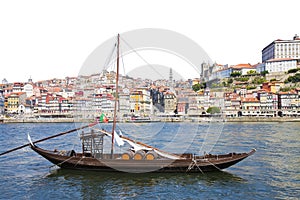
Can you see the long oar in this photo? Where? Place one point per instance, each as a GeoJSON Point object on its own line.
{"type": "Point", "coordinates": [47, 138]}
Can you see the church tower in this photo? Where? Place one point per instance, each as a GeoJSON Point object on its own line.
{"type": "Point", "coordinates": [171, 78]}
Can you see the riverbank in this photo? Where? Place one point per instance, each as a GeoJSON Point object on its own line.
{"type": "Point", "coordinates": [193, 120]}
{"type": "Point", "coordinates": [40, 120]}
{"type": "Point", "coordinates": [264, 119]}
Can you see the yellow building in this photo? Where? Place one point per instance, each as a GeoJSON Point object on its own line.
{"type": "Point", "coordinates": [13, 101]}
{"type": "Point", "coordinates": [136, 99]}
{"type": "Point", "coordinates": [140, 101]}
{"type": "Point", "coordinates": [275, 86]}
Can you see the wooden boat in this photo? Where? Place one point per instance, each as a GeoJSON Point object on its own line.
{"type": "Point", "coordinates": [140, 158]}
{"type": "Point", "coordinates": [137, 162]}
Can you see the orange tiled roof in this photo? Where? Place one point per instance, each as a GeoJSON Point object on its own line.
{"type": "Point", "coordinates": [249, 99]}
{"type": "Point", "coordinates": [242, 66]}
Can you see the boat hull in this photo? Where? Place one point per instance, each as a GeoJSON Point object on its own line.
{"type": "Point", "coordinates": [196, 164]}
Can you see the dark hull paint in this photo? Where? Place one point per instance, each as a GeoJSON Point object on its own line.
{"type": "Point", "coordinates": [199, 164]}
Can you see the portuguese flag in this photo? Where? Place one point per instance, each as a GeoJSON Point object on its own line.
{"type": "Point", "coordinates": [103, 118]}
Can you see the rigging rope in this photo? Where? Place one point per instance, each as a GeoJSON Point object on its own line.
{"type": "Point", "coordinates": [110, 57]}
{"type": "Point", "coordinates": [143, 59]}
{"type": "Point", "coordinates": [61, 162]}
{"type": "Point", "coordinates": [121, 55]}
{"type": "Point", "coordinates": [79, 161]}
{"type": "Point", "coordinates": [191, 166]}
{"type": "Point", "coordinates": [214, 165]}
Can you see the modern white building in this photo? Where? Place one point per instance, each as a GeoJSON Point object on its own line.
{"type": "Point", "coordinates": [282, 49]}
{"type": "Point", "coordinates": [280, 64]}
{"type": "Point", "coordinates": [243, 68]}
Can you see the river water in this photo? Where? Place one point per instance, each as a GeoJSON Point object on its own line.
{"type": "Point", "coordinates": [273, 172]}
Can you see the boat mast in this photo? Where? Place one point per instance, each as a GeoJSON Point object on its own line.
{"type": "Point", "coordinates": [116, 99]}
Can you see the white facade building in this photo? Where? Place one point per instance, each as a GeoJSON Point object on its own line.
{"type": "Point", "coordinates": [282, 49]}
{"type": "Point", "coordinates": [280, 65]}
{"type": "Point", "coordinates": [243, 68]}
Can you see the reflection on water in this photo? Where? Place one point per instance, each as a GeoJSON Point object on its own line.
{"type": "Point", "coordinates": [149, 185]}
{"type": "Point", "coordinates": [147, 179]}
{"type": "Point", "coordinates": [272, 172]}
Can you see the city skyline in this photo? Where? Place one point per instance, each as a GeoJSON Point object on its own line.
{"type": "Point", "coordinates": [52, 40]}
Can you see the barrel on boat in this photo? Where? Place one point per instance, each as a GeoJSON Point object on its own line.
{"type": "Point", "coordinates": [127, 155]}
{"type": "Point", "coordinates": [139, 155]}
{"type": "Point", "coordinates": [151, 156]}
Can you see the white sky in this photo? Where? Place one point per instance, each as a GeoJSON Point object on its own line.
{"type": "Point", "coordinates": [52, 39]}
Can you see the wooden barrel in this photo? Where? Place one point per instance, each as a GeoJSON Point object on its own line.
{"type": "Point", "coordinates": [127, 155]}
{"type": "Point", "coordinates": [139, 155]}
{"type": "Point", "coordinates": [150, 156]}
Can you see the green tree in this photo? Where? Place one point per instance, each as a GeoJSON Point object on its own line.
{"type": "Point", "coordinates": [235, 74]}
{"type": "Point", "coordinates": [293, 70]}
{"type": "Point", "coordinates": [259, 80]}
{"type": "Point", "coordinates": [214, 85]}
{"type": "Point", "coordinates": [196, 87]}
{"type": "Point", "coordinates": [294, 79]}
{"type": "Point", "coordinates": [250, 87]}
{"type": "Point", "coordinates": [213, 110]}
{"type": "Point", "coordinates": [230, 81]}
{"type": "Point", "coordinates": [285, 89]}
{"type": "Point", "coordinates": [251, 72]}
{"type": "Point", "coordinates": [199, 86]}
{"type": "Point", "coordinates": [263, 73]}
{"type": "Point", "coordinates": [243, 79]}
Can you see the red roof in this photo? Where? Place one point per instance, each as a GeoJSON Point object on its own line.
{"type": "Point", "coordinates": [250, 99]}
{"type": "Point", "coordinates": [242, 66]}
